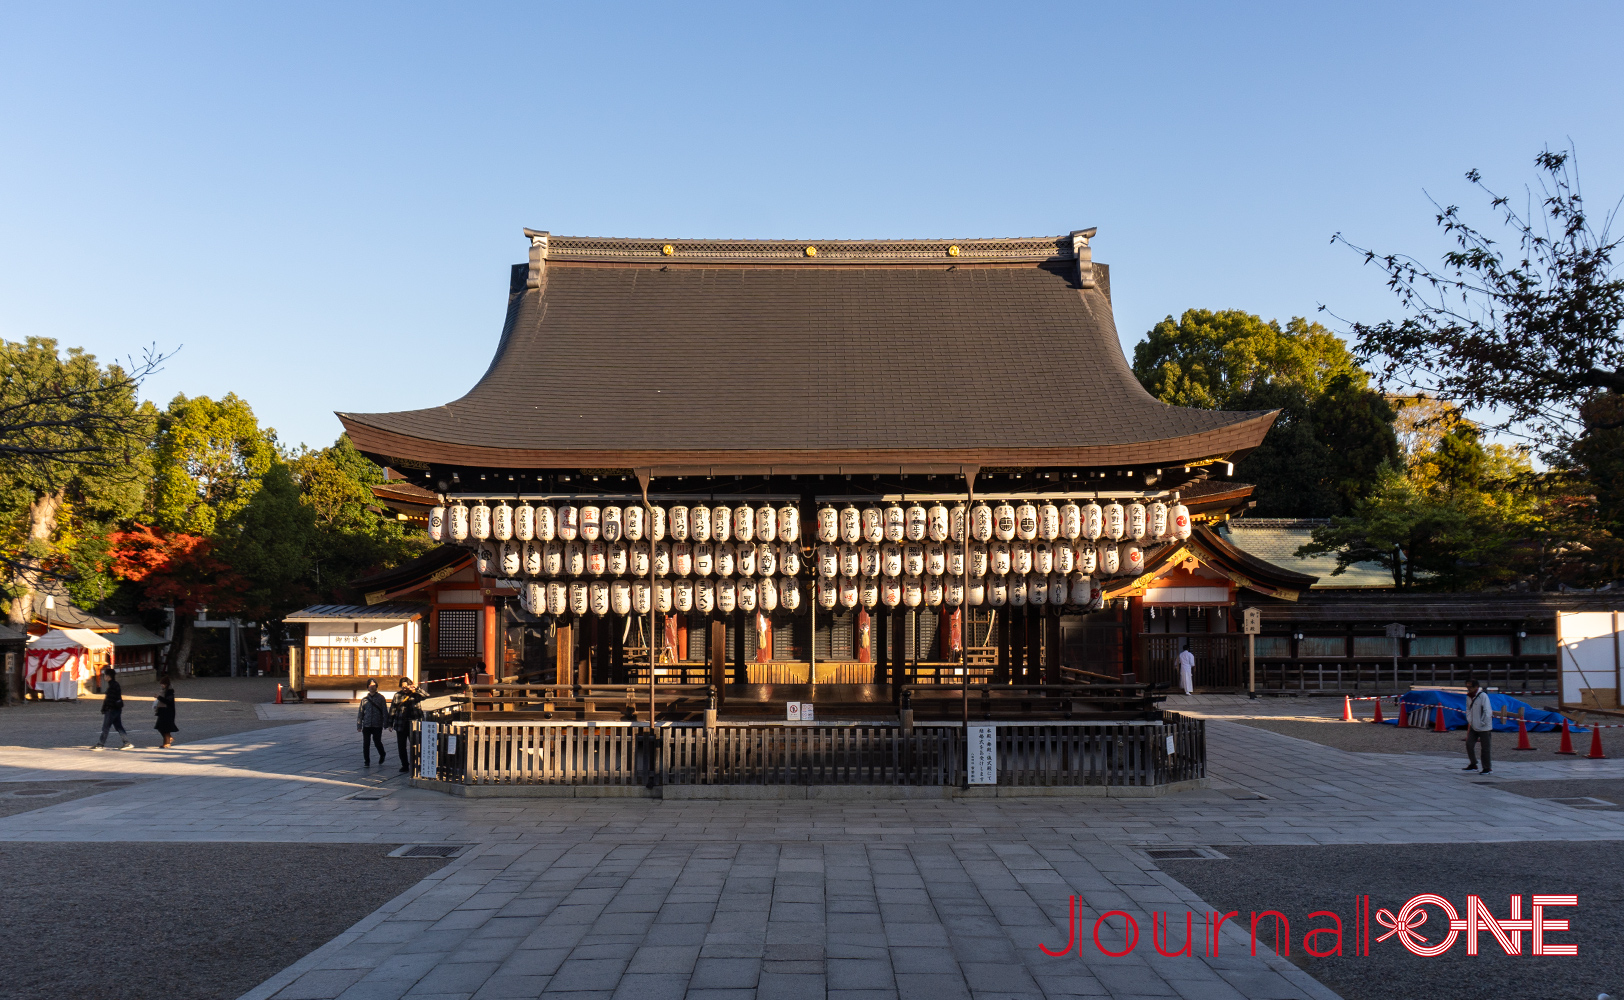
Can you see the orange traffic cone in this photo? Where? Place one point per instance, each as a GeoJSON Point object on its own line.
{"type": "Point", "coordinates": [1378, 717]}
{"type": "Point", "coordinates": [1595, 744]}
{"type": "Point", "coordinates": [1522, 735]}
{"type": "Point", "coordinates": [1438, 721]}
{"type": "Point", "coordinates": [1567, 740]}
{"type": "Point", "coordinates": [279, 694]}
{"type": "Point", "coordinates": [1347, 709]}
{"type": "Point", "coordinates": [1403, 714]}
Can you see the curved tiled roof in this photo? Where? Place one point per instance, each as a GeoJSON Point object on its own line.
{"type": "Point", "coordinates": [615, 356]}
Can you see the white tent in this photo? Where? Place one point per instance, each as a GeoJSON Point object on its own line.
{"type": "Point", "coordinates": [59, 661]}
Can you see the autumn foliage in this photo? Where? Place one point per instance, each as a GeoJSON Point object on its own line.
{"type": "Point", "coordinates": [174, 568]}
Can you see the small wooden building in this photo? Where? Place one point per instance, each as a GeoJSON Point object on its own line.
{"type": "Point", "coordinates": [346, 646]}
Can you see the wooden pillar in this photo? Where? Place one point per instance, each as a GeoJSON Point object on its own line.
{"type": "Point", "coordinates": [564, 655]}
{"type": "Point", "coordinates": [882, 649]}
{"type": "Point", "coordinates": [491, 651]}
{"type": "Point", "coordinates": [741, 674]}
{"type": "Point", "coordinates": [617, 649]}
{"type": "Point", "coordinates": [1051, 649]}
{"type": "Point", "coordinates": [717, 650]}
{"type": "Point", "coordinates": [1000, 674]}
{"type": "Point", "coordinates": [681, 652]}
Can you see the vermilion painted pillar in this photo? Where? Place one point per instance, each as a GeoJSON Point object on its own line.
{"type": "Point", "coordinates": [490, 650]}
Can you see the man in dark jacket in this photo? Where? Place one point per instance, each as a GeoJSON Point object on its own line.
{"type": "Point", "coordinates": [402, 713]}
{"type": "Point", "coordinates": [112, 711]}
{"type": "Point", "coordinates": [370, 721]}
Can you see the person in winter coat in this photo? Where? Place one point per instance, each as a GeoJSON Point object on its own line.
{"type": "Point", "coordinates": [164, 707]}
{"type": "Point", "coordinates": [402, 713]}
{"type": "Point", "coordinates": [370, 721]}
{"type": "Point", "coordinates": [113, 712]}
{"type": "Point", "coordinates": [1479, 726]}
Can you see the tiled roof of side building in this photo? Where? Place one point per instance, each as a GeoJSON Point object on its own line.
{"type": "Point", "coordinates": [853, 356]}
{"type": "Point", "coordinates": [1276, 540]}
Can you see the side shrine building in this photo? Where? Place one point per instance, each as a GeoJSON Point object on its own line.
{"type": "Point", "coordinates": [834, 466]}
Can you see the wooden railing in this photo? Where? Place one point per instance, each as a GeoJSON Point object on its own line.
{"type": "Point", "coordinates": [1364, 675]}
{"type": "Point", "coordinates": [540, 753]}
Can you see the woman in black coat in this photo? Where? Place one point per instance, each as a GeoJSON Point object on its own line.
{"type": "Point", "coordinates": [165, 708]}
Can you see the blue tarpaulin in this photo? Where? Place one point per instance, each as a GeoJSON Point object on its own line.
{"type": "Point", "coordinates": [1506, 709]}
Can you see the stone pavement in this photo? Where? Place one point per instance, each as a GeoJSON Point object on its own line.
{"type": "Point", "coordinates": [865, 899]}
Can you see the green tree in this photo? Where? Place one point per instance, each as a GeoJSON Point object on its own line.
{"type": "Point", "coordinates": [1332, 433]}
{"type": "Point", "coordinates": [271, 543]}
{"type": "Point", "coordinates": [209, 460]}
{"type": "Point", "coordinates": [354, 535]}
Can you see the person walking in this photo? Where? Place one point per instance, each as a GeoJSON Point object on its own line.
{"type": "Point", "coordinates": [1479, 726]}
{"type": "Point", "coordinates": [112, 711]}
{"type": "Point", "coordinates": [163, 707]}
{"type": "Point", "coordinates": [1187, 670]}
{"type": "Point", "coordinates": [403, 712]}
{"type": "Point", "coordinates": [370, 721]}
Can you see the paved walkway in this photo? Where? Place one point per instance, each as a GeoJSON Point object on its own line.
{"type": "Point", "coordinates": [866, 900]}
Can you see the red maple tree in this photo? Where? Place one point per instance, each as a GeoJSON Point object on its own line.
{"type": "Point", "coordinates": [174, 569]}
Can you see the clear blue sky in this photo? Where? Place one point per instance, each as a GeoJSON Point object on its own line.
{"type": "Point", "coordinates": [321, 201]}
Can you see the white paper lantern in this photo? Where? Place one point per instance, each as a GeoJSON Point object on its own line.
{"type": "Point", "coordinates": [1158, 520]}
{"type": "Point", "coordinates": [1093, 521]}
{"type": "Point", "coordinates": [552, 558]}
{"type": "Point", "coordinates": [502, 522]}
{"type": "Point", "coordinates": [699, 526]}
{"type": "Point", "coordinates": [569, 525]}
{"type": "Point", "coordinates": [532, 557]}
{"type": "Point", "coordinates": [727, 595]}
{"type": "Point", "coordinates": [1048, 522]}
{"type": "Point", "coordinates": [437, 523]}
{"type": "Point", "coordinates": [828, 524]}
{"type": "Point", "coordinates": [828, 593]}
{"type": "Point", "coordinates": [682, 594]}
{"type": "Point", "coordinates": [896, 523]}
{"type": "Point", "coordinates": [1088, 558]}
{"type": "Point", "coordinates": [958, 522]}
{"type": "Point", "coordinates": [744, 523]}
{"type": "Point", "coordinates": [998, 558]}
{"type": "Point", "coordinates": [828, 560]}
{"type": "Point", "coordinates": [789, 593]}
{"type": "Point", "coordinates": [479, 521]}
{"type": "Point", "coordinates": [1116, 523]}
{"type": "Point", "coordinates": [1017, 590]}
{"type": "Point", "coordinates": [1026, 522]}
{"type": "Point", "coordinates": [599, 591]}
{"type": "Point", "coordinates": [664, 596]}
{"type": "Point", "coordinates": [1071, 520]}
{"type": "Point", "coordinates": [724, 559]}
{"type": "Point", "coordinates": [682, 558]}
{"type": "Point", "coordinates": [704, 594]}
{"type": "Point", "coordinates": [766, 524]}
{"type": "Point", "coordinates": [632, 523]}
{"type": "Point", "coordinates": [744, 558]}
{"type": "Point", "coordinates": [620, 597]}
{"type": "Point", "coordinates": [850, 562]}
{"type": "Point", "coordinates": [637, 559]}
{"type": "Point", "coordinates": [955, 558]}
{"type": "Point", "coordinates": [1133, 559]}
{"type": "Point", "coordinates": [575, 557]}
{"type": "Point", "coordinates": [1003, 522]}
{"type": "Point", "coordinates": [619, 553]}
{"type": "Point", "coordinates": [936, 522]}
{"type": "Point", "coordinates": [891, 559]}
{"type": "Point", "coordinates": [890, 591]}
{"type": "Point", "coordinates": [933, 590]}
{"type": "Point", "coordinates": [546, 523]}
{"type": "Point", "coordinates": [558, 597]}
{"type": "Point", "coordinates": [1137, 521]}
{"type": "Point", "coordinates": [642, 597]}
{"type": "Point", "coordinates": [1057, 588]}
{"type": "Point", "coordinates": [1081, 589]}
{"type": "Point", "coordinates": [662, 558]}
{"type": "Point", "coordinates": [952, 591]}
{"type": "Point", "coordinates": [591, 523]}
{"type": "Point", "coordinates": [997, 591]}
{"type": "Point", "coordinates": [789, 523]}
{"type": "Point", "coordinates": [704, 558]}
{"type": "Point", "coordinates": [721, 523]}
{"type": "Point", "coordinates": [868, 591]}
{"type": "Point", "coordinates": [1179, 521]}
{"type": "Point", "coordinates": [1037, 589]}
{"type": "Point", "coordinates": [979, 560]}
{"type": "Point", "coordinates": [1042, 557]}
{"type": "Point", "coordinates": [512, 555]}
{"type": "Point", "coordinates": [766, 557]}
{"type": "Point", "coordinates": [873, 525]}
{"type": "Point", "coordinates": [935, 558]}
{"type": "Point", "coordinates": [789, 559]}
{"type": "Point", "coordinates": [1020, 557]}
{"type": "Point", "coordinates": [917, 523]}
{"type": "Point", "coordinates": [868, 559]}
{"type": "Point", "coordinates": [848, 591]}
{"type": "Point", "coordinates": [767, 595]}
{"type": "Point", "coordinates": [746, 598]}
{"type": "Point", "coordinates": [977, 592]}
{"type": "Point", "coordinates": [913, 559]}
{"type": "Point", "coordinates": [612, 524]}
{"type": "Point", "coordinates": [579, 604]}
{"type": "Point", "coordinates": [1065, 556]}
{"type": "Point", "coordinates": [851, 525]}
{"type": "Point", "coordinates": [1110, 559]}
{"type": "Point", "coordinates": [656, 524]}
{"type": "Point", "coordinates": [676, 524]}
{"type": "Point", "coordinates": [596, 557]}
{"type": "Point", "coordinates": [981, 523]}
{"type": "Point", "coordinates": [524, 523]}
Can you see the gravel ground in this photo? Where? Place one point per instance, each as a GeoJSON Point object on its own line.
{"type": "Point", "coordinates": [1362, 737]}
{"type": "Point", "coordinates": [1607, 789]}
{"type": "Point", "coordinates": [1299, 880]}
{"type": "Point", "coordinates": [180, 921]}
{"type": "Point", "coordinates": [206, 707]}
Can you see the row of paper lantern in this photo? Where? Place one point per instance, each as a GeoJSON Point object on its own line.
{"type": "Point", "coordinates": [1028, 521]}
{"type": "Point", "coordinates": [705, 595]}
{"type": "Point", "coordinates": [514, 559]}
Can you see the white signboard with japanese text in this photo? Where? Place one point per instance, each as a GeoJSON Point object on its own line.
{"type": "Point", "coordinates": [429, 758]}
{"type": "Point", "coordinates": [324, 634]}
{"type": "Point", "coordinates": [982, 742]}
